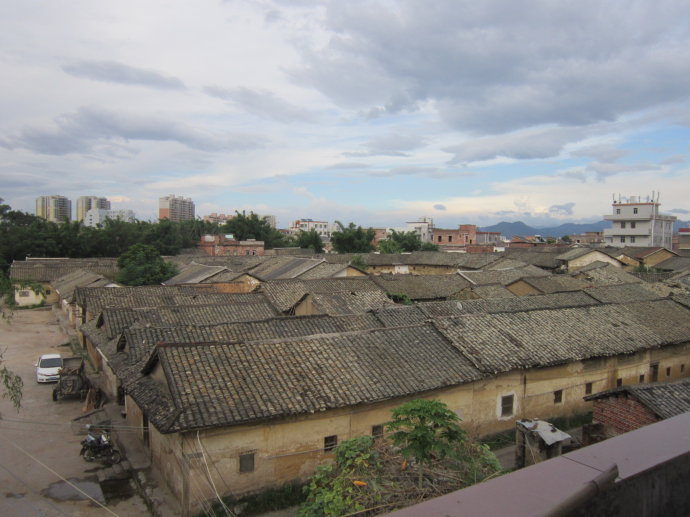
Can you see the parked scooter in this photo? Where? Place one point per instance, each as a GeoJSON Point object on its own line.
{"type": "Point", "coordinates": [97, 446]}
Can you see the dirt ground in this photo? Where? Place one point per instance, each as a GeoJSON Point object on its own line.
{"type": "Point", "coordinates": [39, 449]}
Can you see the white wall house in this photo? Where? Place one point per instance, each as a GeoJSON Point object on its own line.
{"type": "Point", "coordinates": [638, 223]}
{"type": "Point", "coordinates": [97, 216]}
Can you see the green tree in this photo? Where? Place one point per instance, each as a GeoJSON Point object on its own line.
{"type": "Point", "coordinates": [352, 239]}
{"type": "Point", "coordinates": [11, 382]}
{"type": "Point", "coordinates": [425, 430]}
{"type": "Point", "coordinates": [142, 264]}
{"type": "Point", "coordinates": [251, 226]}
{"type": "Point", "coordinates": [358, 262]}
{"type": "Point", "coordinates": [402, 241]}
{"type": "Point", "coordinates": [429, 246]}
{"type": "Point", "coordinates": [310, 239]}
{"type": "Point", "coordinates": [566, 238]}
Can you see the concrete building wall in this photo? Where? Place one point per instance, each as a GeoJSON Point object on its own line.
{"type": "Point", "coordinates": [290, 448]}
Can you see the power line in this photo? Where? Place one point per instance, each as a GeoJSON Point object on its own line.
{"type": "Point", "coordinates": [58, 475]}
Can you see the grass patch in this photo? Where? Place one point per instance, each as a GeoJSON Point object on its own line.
{"type": "Point", "coordinates": [571, 422]}
{"type": "Point", "coordinates": [272, 499]}
{"type": "Point", "coordinates": [499, 440]}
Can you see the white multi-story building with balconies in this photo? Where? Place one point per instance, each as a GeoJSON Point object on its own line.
{"type": "Point", "coordinates": [638, 223]}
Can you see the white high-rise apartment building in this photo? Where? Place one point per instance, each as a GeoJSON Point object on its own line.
{"type": "Point", "coordinates": [638, 223]}
{"type": "Point", "coordinates": [86, 203]}
{"type": "Point", "coordinates": [97, 216]}
{"type": "Point", "coordinates": [54, 208]}
{"type": "Point", "coordinates": [175, 208]}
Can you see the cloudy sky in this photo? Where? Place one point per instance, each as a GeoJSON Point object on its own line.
{"type": "Point", "coordinates": [370, 111]}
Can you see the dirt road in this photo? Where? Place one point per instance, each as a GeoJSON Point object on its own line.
{"type": "Point", "coordinates": [39, 450]}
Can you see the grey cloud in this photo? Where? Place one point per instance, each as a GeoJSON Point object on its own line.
{"type": "Point", "coordinates": [263, 103]}
{"type": "Point", "coordinates": [392, 144]}
{"type": "Point", "coordinates": [348, 165]}
{"type": "Point", "coordinates": [527, 144]}
{"type": "Point", "coordinates": [440, 207]}
{"type": "Point", "coordinates": [675, 159]}
{"type": "Point", "coordinates": [113, 72]}
{"type": "Point", "coordinates": [574, 174]}
{"type": "Point", "coordinates": [565, 209]}
{"type": "Point", "coordinates": [83, 131]}
{"type": "Point", "coordinates": [491, 67]}
{"type": "Point", "coordinates": [603, 153]}
{"type": "Point", "coordinates": [604, 170]}
{"type": "Point", "coordinates": [679, 211]}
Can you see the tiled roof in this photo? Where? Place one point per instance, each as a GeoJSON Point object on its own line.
{"type": "Point", "coordinates": [543, 258]}
{"type": "Point", "coordinates": [228, 384]}
{"type": "Point", "coordinates": [666, 318]}
{"type": "Point", "coordinates": [346, 302]}
{"type": "Point", "coordinates": [487, 292]}
{"type": "Point", "coordinates": [117, 319]}
{"type": "Point", "coordinates": [675, 264]}
{"type": "Point", "coordinates": [665, 399]}
{"type": "Point", "coordinates": [47, 270]}
{"type": "Point", "coordinates": [507, 341]}
{"type": "Point", "coordinates": [94, 299]}
{"type": "Point", "coordinates": [556, 284]}
{"type": "Point", "coordinates": [602, 273]}
{"type": "Point", "coordinates": [574, 253]}
{"type": "Point", "coordinates": [284, 267]}
{"type": "Point", "coordinates": [232, 262]}
{"type": "Point", "coordinates": [93, 333]}
{"type": "Point", "coordinates": [639, 252]}
{"type": "Point", "coordinates": [622, 293]}
{"type": "Point", "coordinates": [505, 263]}
{"type": "Point", "coordinates": [66, 285]}
{"type": "Point", "coordinates": [194, 274]}
{"type": "Point", "coordinates": [284, 294]}
{"type": "Point", "coordinates": [420, 258]}
{"type": "Point", "coordinates": [424, 287]}
{"type": "Point", "coordinates": [400, 315]}
{"type": "Point", "coordinates": [324, 270]}
{"type": "Point", "coordinates": [138, 341]}
{"type": "Point", "coordinates": [502, 276]}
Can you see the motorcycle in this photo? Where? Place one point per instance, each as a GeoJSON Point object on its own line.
{"type": "Point", "coordinates": [99, 447]}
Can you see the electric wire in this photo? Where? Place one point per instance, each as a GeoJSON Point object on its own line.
{"type": "Point", "coordinates": [20, 480]}
{"type": "Point", "coordinates": [210, 477]}
{"type": "Point", "coordinates": [58, 475]}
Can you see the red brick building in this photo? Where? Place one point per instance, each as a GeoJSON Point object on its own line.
{"type": "Point", "coordinates": [222, 246]}
{"type": "Point", "coordinates": [627, 408]}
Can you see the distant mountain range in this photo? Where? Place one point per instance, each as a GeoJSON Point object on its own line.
{"type": "Point", "coordinates": [520, 228]}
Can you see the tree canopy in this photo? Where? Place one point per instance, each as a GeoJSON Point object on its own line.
{"type": "Point", "coordinates": [142, 264]}
{"type": "Point", "coordinates": [243, 227]}
{"type": "Point", "coordinates": [310, 239]}
{"type": "Point", "coordinates": [25, 235]}
{"type": "Point", "coordinates": [352, 239]}
{"type": "Point", "coordinates": [426, 455]}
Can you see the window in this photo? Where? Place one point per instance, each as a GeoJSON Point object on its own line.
{"type": "Point", "coordinates": [450, 238]}
{"type": "Point", "coordinates": [668, 371]}
{"type": "Point", "coordinates": [558, 396]}
{"type": "Point", "coordinates": [330, 442]}
{"type": "Point", "coordinates": [632, 224]}
{"type": "Point", "coordinates": [439, 238]}
{"type": "Point", "coordinates": [377, 431]}
{"type": "Point", "coordinates": [654, 372]}
{"type": "Point", "coordinates": [623, 239]}
{"type": "Point", "coordinates": [634, 210]}
{"type": "Point", "coordinates": [588, 388]}
{"type": "Point", "coordinates": [632, 238]}
{"type": "Point", "coordinates": [642, 377]}
{"type": "Point", "coordinates": [682, 368]}
{"type": "Point", "coordinates": [622, 224]}
{"type": "Point", "coordinates": [23, 294]}
{"type": "Point", "coordinates": [47, 291]}
{"type": "Point", "coordinates": [618, 211]}
{"type": "Point", "coordinates": [507, 405]}
{"type": "Point", "coordinates": [619, 382]}
{"type": "Point", "coordinates": [247, 462]}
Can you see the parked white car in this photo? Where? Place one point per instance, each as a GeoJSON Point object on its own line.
{"type": "Point", "coordinates": [47, 368]}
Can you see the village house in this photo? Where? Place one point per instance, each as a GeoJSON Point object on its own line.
{"type": "Point", "coordinates": [214, 408]}
{"type": "Point", "coordinates": [629, 407]}
{"type": "Point", "coordinates": [33, 278]}
{"type": "Point", "coordinates": [223, 245]}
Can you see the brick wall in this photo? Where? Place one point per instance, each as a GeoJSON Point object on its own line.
{"type": "Point", "coordinates": [620, 414]}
